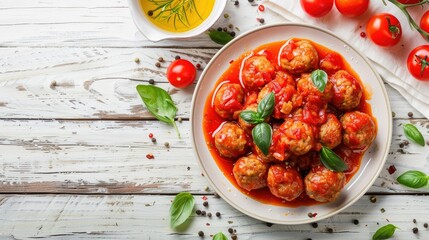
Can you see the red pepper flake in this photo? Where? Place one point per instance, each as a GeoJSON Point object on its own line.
{"type": "Point", "coordinates": [151, 135]}
{"type": "Point", "coordinates": [198, 66]}
{"type": "Point", "coordinates": [207, 224]}
{"type": "Point", "coordinates": [204, 198]}
{"type": "Point", "coordinates": [261, 8]}
{"type": "Point", "coordinates": [150, 156]}
{"type": "Point", "coordinates": [363, 35]}
{"type": "Point", "coordinates": [391, 169]}
{"type": "Point", "coordinates": [230, 62]}
{"type": "Point", "coordinates": [312, 215]}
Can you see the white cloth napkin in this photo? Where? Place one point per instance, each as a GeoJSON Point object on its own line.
{"type": "Point", "coordinates": [390, 62]}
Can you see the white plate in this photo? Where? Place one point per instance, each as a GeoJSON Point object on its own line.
{"type": "Point", "coordinates": [372, 162]}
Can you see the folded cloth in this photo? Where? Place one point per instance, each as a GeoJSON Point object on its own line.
{"type": "Point", "coordinates": [390, 62]}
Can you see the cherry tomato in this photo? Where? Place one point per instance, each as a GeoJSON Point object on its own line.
{"type": "Point", "coordinates": [317, 8]}
{"type": "Point", "coordinates": [384, 29]}
{"type": "Point", "coordinates": [352, 8]}
{"type": "Point", "coordinates": [424, 22]}
{"type": "Point", "coordinates": [409, 1]}
{"type": "Point", "coordinates": [418, 62]}
{"type": "Point", "coordinates": [181, 73]}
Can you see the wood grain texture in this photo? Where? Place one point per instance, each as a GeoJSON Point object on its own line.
{"type": "Point", "coordinates": [146, 217]}
{"type": "Point", "coordinates": [109, 157]}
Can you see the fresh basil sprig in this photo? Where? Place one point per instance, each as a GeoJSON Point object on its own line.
{"type": "Point", "coordinates": [262, 132]}
{"type": "Point", "coordinates": [412, 133]}
{"type": "Point", "coordinates": [220, 37]}
{"type": "Point", "coordinates": [159, 103]}
{"type": "Point", "coordinates": [384, 232]}
{"type": "Point", "coordinates": [319, 79]}
{"type": "Point", "coordinates": [219, 236]}
{"type": "Point", "coordinates": [413, 179]}
{"type": "Point", "coordinates": [331, 160]}
{"type": "Point", "coordinates": [181, 208]}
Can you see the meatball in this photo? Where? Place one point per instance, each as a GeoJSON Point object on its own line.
{"type": "Point", "coordinates": [347, 91]}
{"type": "Point", "coordinates": [231, 141]}
{"type": "Point", "coordinates": [257, 71]}
{"type": "Point", "coordinates": [245, 125]}
{"type": "Point", "coordinates": [310, 93]}
{"type": "Point", "coordinates": [298, 56]}
{"type": "Point", "coordinates": [331, 63]}
{"type": "Point", "coordinates": [297, 136]}
{"type": "Point", "coordinates": [324, 185]}
{"type": "Point", "coordinates": [229, 100]}
{"type": "Point", "coordinates": [250, 172]}
{"type": "Point", "coordinates": [359, 130]}
{"type": "Point", "coordinates": [330, 132]}
{"type": "Point", "coordinates": [304, 162]}
{"type": "Point", "coordinates": [285, 182]}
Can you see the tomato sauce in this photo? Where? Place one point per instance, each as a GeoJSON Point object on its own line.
{"type": "Point", "coordinates": [212, 122]}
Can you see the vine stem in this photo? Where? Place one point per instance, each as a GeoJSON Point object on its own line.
{"type": "Point", "coordinates": [413, 24]}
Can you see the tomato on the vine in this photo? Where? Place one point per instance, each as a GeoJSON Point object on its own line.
{"type": "Point", "coordinates": [317, 8]}
{"type": "Point", "coordinates": [181, 73]}
{"type": "Point", "coordinates": [418, 62]}
{"type": "Point", "coordinates": [352, 8]}
{"type": "Point", "coordinates": [384, 29]}
{"type": "Point", "coordinates": [424, 22]}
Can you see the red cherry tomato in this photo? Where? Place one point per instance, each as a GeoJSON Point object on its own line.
{"type": "Point", "coordinates": [418, 63]}
{"type": "Point", "coordinates": [181, 73]}
{"type": "Point", "coordinates": [424, 22]}
{"type": "Point", "coordinates": [409, 1]}
{"type": "Point", "coordinates": [384, 29]}
{"type": "Point", "coordinates": [352, 8]}
{"type": "Point", "coordinates": [317, 8]}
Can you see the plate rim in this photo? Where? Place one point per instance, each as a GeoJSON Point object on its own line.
{"type": "Point", "coordinates": [335, 211]}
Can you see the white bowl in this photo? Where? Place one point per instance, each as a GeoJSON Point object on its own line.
{"type": "Point", "coordinates": [154, 33]}
{"type": "Point", "coordinates": [371, 164]}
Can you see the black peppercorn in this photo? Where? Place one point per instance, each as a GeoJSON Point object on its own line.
{"type": "Point", "coordinates": [425, 225]}
{"type": "Point", "coordinates": [151, 81]}
{"type": "Point", "coordinates": [329, 230]}
{"type": "Point", "coordinates": [177, 57]}
{"type": "Point", "coordinates": [314, 225]}
{"type": "Point", "coordinates": [230, 230]}
{"type": "Point", "coordinates": [232, 34]}
{"type": "Point", "coordinates": [415, 230]}
{"type": "Point", "coordinates": [150, 13]}
{"type": "Point", "coordinates": [158, 64]}
{"type": "Point", "coordinates": [198, 212]}
{"type": "Point", "coordinates": [209, 214]}
{"type": "Point", "coordinates": [201, 233]}
{"type": "Point", "coordinates": [261, 20]}
{"type": "Point", "coordinates": [219, 29]}
{"type": "Point", "coordinates": [355, 222]}
{"type": "Point", "coordinates": [153, 140]}
{"type": "Point", "coordinates": [269, 224]}
{"type": "Point", "coordinates": [217, 214]}
{"type": "Point", "coordinates": [236, 3]}
{"type": "Point", "coordinates": [205, 204]}
{"type": "Point", "coordinates": [203, 213]}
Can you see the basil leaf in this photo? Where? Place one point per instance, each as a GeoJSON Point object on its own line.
{"type": "Point", "coordinates": [413, 179]}
{"type": "Point", "coordinates": [266, 106]}
{"type": "Point", "coordinates": [181, 208]}
{"type": "Point", "coordinates": [384, 232]}
{"type": "Point", "coordinates": [412, 133]}
{"type": "Point", "coordinates": [219, 236]}
{"type": "Point", "coordinates": [319, 79]}
{"type": "Point", "coordinates": [220, 37]}
{"type": "Point", "coordinates": [159, 103]}
{"type": "Point", "coordinates": [251, 117]}
{"type": "Point", "coordinates": [331, 160]}
{"type": "Point", "coordinates": [261, 134]}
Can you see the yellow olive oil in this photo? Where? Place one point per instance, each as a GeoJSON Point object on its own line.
{"type": "Point", "coordinates": [177, 15]}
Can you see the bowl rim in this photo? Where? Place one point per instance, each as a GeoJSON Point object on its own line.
{"type": "Point", "coordinates": [153, 33]}
{"type": "Point", "coordinates": [362, 191]}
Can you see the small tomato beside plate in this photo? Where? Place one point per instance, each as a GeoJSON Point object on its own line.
{"type": "Point", "coordinates": [418, 63]}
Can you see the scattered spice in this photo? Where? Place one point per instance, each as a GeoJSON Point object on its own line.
{"type": "Point", "coordinates": [234, 237]}
{"type": "Point", "coordinates": [151, 81]}
{"type": "Point", "coordinates": [207, 224]}
{"type": "Point", "coordinates": [261, 8]}
{"type": "Point", "coordinates": [230, 222]}
{"type": "Point", "coordinates": [391, 169]}
{"type": "Point", "coordinates": [209, 214]}
{"type": "Point", "coordinates": [406, 142]}
{"type": "Point", "coordinates": [217, 214]}
{"type": "Point", "coordinates": [261, 20]}
{"type": "Point", "coordinates": [201, 233]}
{"type": "Point", "coordinates": [414, 221]}
{"type": "Point", "coordinates": [236, 3]}
{"type": "Point", "coordinates": [137, 60]}
{"type": "Point", "coordinates": [219, 29]}
{"type": "Point", "coordinates": [355, 222]}
{"type": "Point", "coordinates": [205, 204]}
{"type": "Point", "coordinates": [373, 199]}
{"type": "Point", "coordinates": [189, 168]}
{"type": "Point", "coordinates": [157, 64]}
{"type": "Point", "coordinates": [393, 114]}
{"type": "Point", "coordinates": [177, 57]}
{"type": "Point", "coordinates": [230, 25]}
{"type": "Point", "coordinates": [150, 156]}
{"type": "Point", "coordinates": [230, 230]}
{"type": "Point", "coordinates": [415, 230]}
{"type": "Point", "coordinates": [198, 212]}
{"type": "Point", "coordinates": [425, 225]}
{"type": "Point", "coordinates": [401, 145]}
{"type": "Point", "coordinates": [179, 119]}
{"type": "Point", "coordinates": [216, 195]}
{"type": "Point", "coordinates": [232, 34]}
{"type": "Point", "coordinates": [167, 144]}
{"type": "Point", "coordinates": [160, 59]}
{"type": "Point", "coordinates": [363, 35]}
{"type": "Point", "coordinates": [269, 224]}
{"type": "Point", "coordinates": [382, 210]}
{"type": "Point", "coordinates": [225, 29]}
{"type": "Point", "coordinates": [226, 15]}
{"type": "Point", "coordinates": [312, 215]}
{"type": "Point", "coordinates": [204, 198]}
{"type": "Point", "coordinates": [150, 13]}
{"type": "Point", "coordinates": [203, 213]}
{"type": "Point", "coordinates": [410, 114]}
{"type": "Point", "coordinates": [250, 1]}
{"type": "Point", "coordinates": [153, 140]}
{"type": "Point", "coordinates": [329, 230]}
{"type": "Point", "coordinates": [198, 66]}
{"type": "Point", "coordinates": [315, 225]}
{"type": "Point", "coordinates": [150, 135]}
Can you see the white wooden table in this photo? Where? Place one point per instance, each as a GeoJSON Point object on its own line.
{"type": "Point", "coordinates": [74, 135]}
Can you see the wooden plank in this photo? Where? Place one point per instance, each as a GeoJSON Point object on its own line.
{"type": "Point", "coordinates": [95, 83]}
{"type": "Point", "coordinates": [109, 157]}
{"type": "Point", "coordinates": [99, 24]}
{"type": "Point", "coordinates": [146, 217]}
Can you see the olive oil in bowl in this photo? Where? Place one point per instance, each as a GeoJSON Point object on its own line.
{"type": "Point", "coordinates": [177, 15]}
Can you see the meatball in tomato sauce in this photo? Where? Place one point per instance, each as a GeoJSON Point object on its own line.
{"type": "Point", "coordinates": [330, 132]}
{"type": "Point", "coordinates": [250, 172]}
{"type": "Point", "coordinates": [298, 56]}
{"type": "Point", "coordinates": [347, 91]}
{"type": "Point", "coordinates": [257, 71]}
{"type": "Point", "coordinates": [228, 100]}
{"type": "Point", "coordinates": [310, 93]}
{"type": "Point", "coordinates": [297, 136]}
{"type": "Point", "coordinates": [324, 185]}
{"type": "Point", "coordinates": [285, 182]}
{"type": "Point", "coordinates": [359, 130]}
{"type": "Point", "coordinates": [231, 141]}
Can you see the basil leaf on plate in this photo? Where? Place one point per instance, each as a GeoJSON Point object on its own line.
{"type": "Point", "coordinates": [412, 133]}
{"type": "Point", "coordinates": [384, 232]}
{"type": "Point", "coordinates": [181, 208]}
{"type": "Point", "coordinates": [220, 37]}
{"type": "Point", "coordinates": [413, 179]}
{"type": "Point", "coordinates": [266, 106]}
{"type": "Point", "coordinates": [319, 79]}
{"type": "Point", "coordinates": [159, 103]}
{"type": "Point", "coordinates": [261, 134]}
{"type": "Point", "coordinates": [219, 236]}
{"type": "Point", "coordinates": [251, 117]}
{"type": "Point", "coordinates": [331, 160]}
